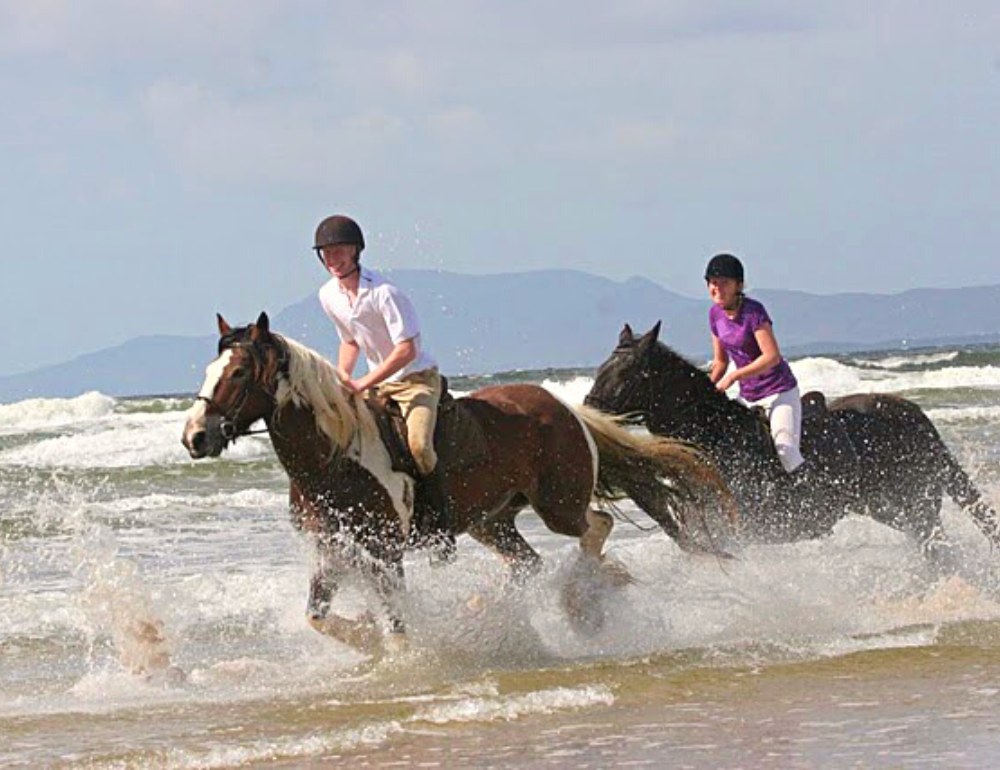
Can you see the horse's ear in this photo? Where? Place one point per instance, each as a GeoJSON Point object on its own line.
{"type": "Point", "coordinates": [649, 339]}
{"type": "Point", "coordinates": [626, 337]}
{"type": "Point", "coordinates": [224, 328]}
{"type": "Point", "coordinates": [262, 329]}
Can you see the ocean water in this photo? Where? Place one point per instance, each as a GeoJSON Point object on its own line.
{"type": "Point", "coordinates": [152, 614]}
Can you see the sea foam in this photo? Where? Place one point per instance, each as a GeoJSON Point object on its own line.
{"type": "Point", "coordinates": [47, 413]}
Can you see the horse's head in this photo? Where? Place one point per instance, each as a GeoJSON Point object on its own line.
{"type": "Point", "coordinates": [623, 382]}
{"type": "Point", "coordinates": [239, 388]}
{"type": "Point", "coordinates": [646, 378]}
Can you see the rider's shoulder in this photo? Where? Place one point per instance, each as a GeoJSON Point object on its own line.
{"type": "Point", "coordinates": [381, 286]}
{"type": "Point", "coordinates": [329, 291]}
{"type": "Point", "coordinates": [751, 305]}
{"type": "Point", "coordinates": [373, 278]}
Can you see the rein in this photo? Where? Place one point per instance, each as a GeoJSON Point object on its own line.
{"type": "Point", "coordinates": [227, 425]}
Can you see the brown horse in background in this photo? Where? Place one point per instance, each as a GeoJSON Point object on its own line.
{"type": "Point", "coordinates": [358, 511]}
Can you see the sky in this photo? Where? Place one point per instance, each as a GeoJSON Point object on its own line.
{"type": "Point", "coordinates": [166, 159]}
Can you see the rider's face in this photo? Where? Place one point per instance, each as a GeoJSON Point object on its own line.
{"type": "Point", "coordinates": [339, 259]}
{"type": "Point", "coordinates": [724, 291]}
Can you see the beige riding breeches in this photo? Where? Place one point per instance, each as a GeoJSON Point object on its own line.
{"type": "Point", "coordinates": [418, 395]}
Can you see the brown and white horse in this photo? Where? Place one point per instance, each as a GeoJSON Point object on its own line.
{"type": "Point", "coordinates": [347, 498]}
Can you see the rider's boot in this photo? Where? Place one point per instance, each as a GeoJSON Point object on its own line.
{"type": "Point", "coordinates": [437, 526]}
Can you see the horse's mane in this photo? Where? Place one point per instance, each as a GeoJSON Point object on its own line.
{"type": "Point", "coordinates": [664, 356]}
{"type": "Point", "coordinates": [718, 406]}
{"type": "Point", "coordinates": [313, 382]}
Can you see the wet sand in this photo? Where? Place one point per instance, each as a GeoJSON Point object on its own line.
{"type": "Point", "coordinates": [922, 707]}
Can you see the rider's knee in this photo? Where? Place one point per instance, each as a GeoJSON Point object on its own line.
{"type": "Point", "coordinates": [424, 456]}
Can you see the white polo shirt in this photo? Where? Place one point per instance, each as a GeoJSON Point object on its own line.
{"type": "Point", "coordinates": [381, 318]}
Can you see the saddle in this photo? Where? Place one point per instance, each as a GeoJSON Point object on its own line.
{"type": "Point", "coordinates": [824, 439]}
{"type": "Point", "coordinates": [458, 437]}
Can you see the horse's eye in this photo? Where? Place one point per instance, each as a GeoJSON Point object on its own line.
{"type": "Point", "coordinates": [239, 373]}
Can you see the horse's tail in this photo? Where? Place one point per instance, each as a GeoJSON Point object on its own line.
{"type": "Point", "coordinates": [673, 481]}
{"type": "Point", "coordinates": [961, 489]}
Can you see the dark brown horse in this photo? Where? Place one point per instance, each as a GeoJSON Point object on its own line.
{"type": "Point", "coordinates": [871, 454]}
{"type": "Point", "coordinates": [358, 511]}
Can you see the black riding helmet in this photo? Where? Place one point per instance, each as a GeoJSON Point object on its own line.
{"type": "Point", "coordinates": [336, 230]}
{"type": "Point", "coordinates": [724, 266]}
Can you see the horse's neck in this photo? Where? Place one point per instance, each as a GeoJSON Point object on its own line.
{"type": "Point", "coordinates": [691, 386]}
{"type": "Point", "coordinates": [702, 412]}
{"type": "Point", "coordinates": [304, 451]}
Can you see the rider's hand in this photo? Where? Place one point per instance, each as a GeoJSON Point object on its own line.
{"type": "Point", "coordinates": [725, 383]}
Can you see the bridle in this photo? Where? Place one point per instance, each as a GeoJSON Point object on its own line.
{"type": "Point", "coordinates": [228, 423]}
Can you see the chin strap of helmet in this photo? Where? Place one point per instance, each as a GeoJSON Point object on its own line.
{"type": "Point", "coordinates": [357, 266]}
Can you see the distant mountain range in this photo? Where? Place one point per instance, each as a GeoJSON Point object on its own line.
{"type": "Point", "coordinates": [477, 324]}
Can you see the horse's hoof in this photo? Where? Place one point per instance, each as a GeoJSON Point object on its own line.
{"type": "Point", "coordinates": [363, 633]}
{"type": "Point", "coordinates": [616, 574]}
{"type": "Point", "coordinates": [316, 621]}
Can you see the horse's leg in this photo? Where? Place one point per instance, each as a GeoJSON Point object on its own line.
{"type": "Point", "coordinates": [500, 535]}
{"type": "Point", "coordinates": [362, 633]}
{"type": "Point", "coordinates": [390, 582]}
{"type": "Point", "coordinates": [359, 633]}
{"type": "Point", "coordinates": [599, 526]}
{"type": "Point", "coordinates": [920, 520]}
{"type": "Point", "coordinates": [322, 587]}
{"type": "Point", "coordinates": [583, 595]}
{"type": "Point", "coordinates": [961, 489]}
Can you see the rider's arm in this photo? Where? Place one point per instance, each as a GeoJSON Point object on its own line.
{"type": "Point", "coordinates": [769, 354]}
{"type": "Point", "coordinates": [720, 360]}
{"type": "Point", "coordinates": [401, 355]}
{"type": "Point", "coordinates": [347, 357]}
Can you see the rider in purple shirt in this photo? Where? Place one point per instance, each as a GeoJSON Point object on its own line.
{"type": "Point", "coordinates": [742, 333]}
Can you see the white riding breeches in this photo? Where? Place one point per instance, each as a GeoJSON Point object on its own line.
{"type": "Point", "coordinates": [784, 411]}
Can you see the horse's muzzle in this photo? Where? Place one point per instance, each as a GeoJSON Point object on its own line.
{"type": "Point", "coordinates": [202, 440]}
{"type": "Point", "coordinates": [196, 444]}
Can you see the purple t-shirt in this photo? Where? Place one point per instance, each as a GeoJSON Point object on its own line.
{"type": "Point", "coordinates": [738, 340]}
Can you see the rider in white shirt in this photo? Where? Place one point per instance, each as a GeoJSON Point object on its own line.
{"type": "Point", "coordinates": [375, 317]}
